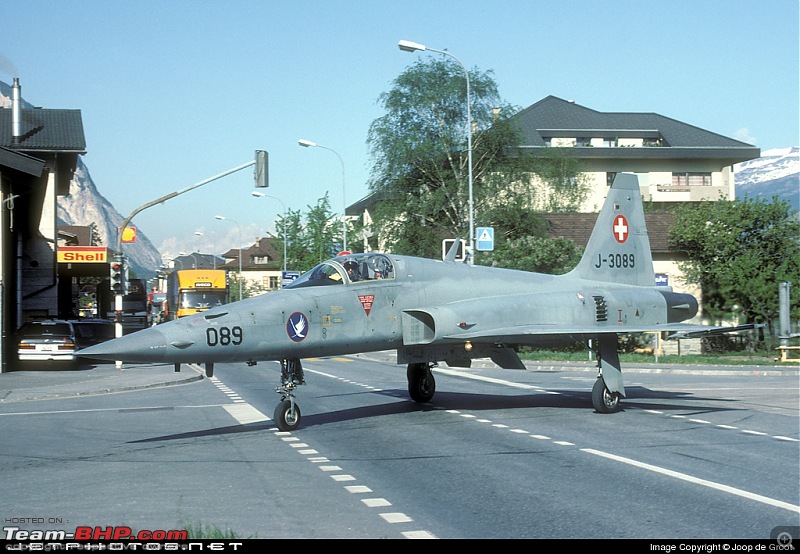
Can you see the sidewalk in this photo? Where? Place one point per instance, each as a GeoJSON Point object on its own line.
{"type": "Point", "coordinates": [38, 384]}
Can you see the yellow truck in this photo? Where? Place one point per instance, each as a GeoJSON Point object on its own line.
{"type": "Point", "coordinates": [190, 291]}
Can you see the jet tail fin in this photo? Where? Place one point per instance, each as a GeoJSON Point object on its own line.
{"type": "Point", "coordinates": [618, 250]}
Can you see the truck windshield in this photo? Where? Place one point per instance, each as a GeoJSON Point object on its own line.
{"type": "Point", "coordinates": [200, 300]}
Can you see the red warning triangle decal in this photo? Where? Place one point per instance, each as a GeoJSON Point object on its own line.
{"type": "Point", "coordinates": [366, 301]}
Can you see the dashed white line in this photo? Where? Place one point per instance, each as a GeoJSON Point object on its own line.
{"type": "Point", "coordinates": [244, 413]}
{"type": "Point", "coordinates": [664, 471]}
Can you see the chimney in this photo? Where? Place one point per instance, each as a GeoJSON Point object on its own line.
{"type": "Point", "coordinates": [16, 112]}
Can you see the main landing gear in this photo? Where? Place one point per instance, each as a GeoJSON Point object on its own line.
{"type": "Point", "coordinates": [287, 412]}
{"type": "Point", "coordinates": [608, 388]}
{"type": "Point", "coordinates": [421, 384]}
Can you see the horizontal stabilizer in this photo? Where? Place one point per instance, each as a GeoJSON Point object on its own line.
{"type": "Point", "coordinates": [711, 331]}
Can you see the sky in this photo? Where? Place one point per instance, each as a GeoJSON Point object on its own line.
{"type": "Point", "coordinates": [174, 92]}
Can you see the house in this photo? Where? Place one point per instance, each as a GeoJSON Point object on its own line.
{"type": "Point", "coordinates": [261, 266]}
{"type": "Point", "coordinates": [39, 150]}
{"type": "Point", "coordinates": [674, 161]}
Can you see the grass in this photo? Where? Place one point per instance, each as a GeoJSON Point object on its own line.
{"type": "Point", "coordinates": [200, 531]}
{"type": "Point", "coordinates": [734, 358]}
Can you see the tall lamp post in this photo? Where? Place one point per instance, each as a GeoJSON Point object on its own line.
{"type": "Point", "coordinates": [309, 144]}
{"type": "Point", "coordinates": [408, 46]}
{"type": "Point", "coordinates": [258, 194]}
{"type": "Point", "coordinates": [223, 218]}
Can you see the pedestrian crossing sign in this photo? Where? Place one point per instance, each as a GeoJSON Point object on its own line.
{"type": "Point", "coordinates": [485, 241]}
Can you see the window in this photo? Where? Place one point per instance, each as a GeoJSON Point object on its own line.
{"type": "Point", "coordinates": [691, 180]}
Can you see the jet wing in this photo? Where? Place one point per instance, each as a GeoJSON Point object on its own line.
{"type": "Point", "coordinates": [520, 332]}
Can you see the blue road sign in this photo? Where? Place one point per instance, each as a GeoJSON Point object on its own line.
{"type": "Point", "coordinates": [485, 241]}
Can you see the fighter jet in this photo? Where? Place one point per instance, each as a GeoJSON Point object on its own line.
{"type": "Point", "coordinates": [433, 311]}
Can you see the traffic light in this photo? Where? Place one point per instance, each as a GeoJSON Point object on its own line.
{"type": "Point", "coordinates": [117, 275]}
{"type": "Point", "coordinates": [261, 172]}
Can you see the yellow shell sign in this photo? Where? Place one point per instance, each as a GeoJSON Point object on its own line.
{"type": "Point", "coordinates": [129, 234]}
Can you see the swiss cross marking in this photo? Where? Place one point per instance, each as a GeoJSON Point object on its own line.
{"type": "Point", "coordinates": [620, 229]}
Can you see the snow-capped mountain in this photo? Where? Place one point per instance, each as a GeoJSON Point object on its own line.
{"type": "Point", "coordinates": [85, 206]}
{"type": "Point", "coordinates": [775, 173]}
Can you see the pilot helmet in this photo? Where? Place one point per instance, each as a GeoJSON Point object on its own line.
{"type": "Point", "coordinates": [350, 265]}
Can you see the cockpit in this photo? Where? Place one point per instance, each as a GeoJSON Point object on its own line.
{"type": "Point", "coordinates": [350, 268]}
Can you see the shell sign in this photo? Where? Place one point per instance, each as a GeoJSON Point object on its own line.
{"type": "Point", "coordinates": [129, 234]}
{"type": "Point", "coordinates": [82, 254]}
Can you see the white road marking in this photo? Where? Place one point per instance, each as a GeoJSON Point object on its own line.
{"type": "Point", "coordinates": [245, 413]}
{"type": "Point", "coordinates": [696, 480]}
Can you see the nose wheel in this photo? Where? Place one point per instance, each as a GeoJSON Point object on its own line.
{"type": "Point", "coordinates": [287, 415]}
{"type": "Point", "coordinates": [287, 412]}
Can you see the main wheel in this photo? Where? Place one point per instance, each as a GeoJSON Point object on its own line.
{"type": "Point", "coordinates": [287, 415]}
{"type": "Point", "coordinates": [421, 384]}
{"type": "Point", "coordinates": [603, 400]}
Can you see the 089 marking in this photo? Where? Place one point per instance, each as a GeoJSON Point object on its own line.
{"type": "Point", "coordinates": [223, 336]}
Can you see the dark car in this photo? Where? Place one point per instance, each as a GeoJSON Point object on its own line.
{"type": "Point", "coordinates": [47, 340]}
{"type": "Point", "coordinates": [89, 332]}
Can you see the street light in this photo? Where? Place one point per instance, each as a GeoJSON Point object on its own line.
{"type": "Point", "coordinates": [258, 194]}
{"type": "Point", "coordinates": [223, 218]}
{"type": "Point", "coordinates": [198, 234]}
{"type": "Point", "coordinates": [408, 46]}
{"type": "Point", "coordinates": [193, 257]}
{"type": "Point", "coordinates": [308, 144]}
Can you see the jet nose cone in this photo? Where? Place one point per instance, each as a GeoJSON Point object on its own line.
{"type": "Point", "coordinates": [148, 345]}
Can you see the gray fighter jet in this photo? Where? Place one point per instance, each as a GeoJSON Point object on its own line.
{"type": "Point", "coordinates": [431, 311]}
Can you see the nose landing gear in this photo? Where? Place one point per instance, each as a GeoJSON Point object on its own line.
{"type": "Point", "coordinates": [287, 412]}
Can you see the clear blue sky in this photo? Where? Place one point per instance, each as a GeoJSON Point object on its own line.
{"type": "Point", "coordinates": [173, 92]}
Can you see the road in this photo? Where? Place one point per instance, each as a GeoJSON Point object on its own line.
{"type": "Point", "coordinates": [497, 454]}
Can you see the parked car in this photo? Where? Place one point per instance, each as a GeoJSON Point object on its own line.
{"type": "Point", "coordinates": [47, 340]}
{"type": "Point", "coordinates": [89, 332]}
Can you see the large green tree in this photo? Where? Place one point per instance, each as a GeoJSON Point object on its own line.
{"type": "Point", "coordinates": [420, 173]}
{"type": "Point", "coordinates": [420, 153]}
{"type": "Point", "coordinates": [739, 251]}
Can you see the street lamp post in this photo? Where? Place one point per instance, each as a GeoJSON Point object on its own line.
{"type": "Point", "coordinates": [223, 218]}
{"type": "Point", "coordinates": [408, 46]}
{"type": "Point", "coordinates": [198, 234]}
{"type": "Point", "coordinates": [309, 144]}
{"type": "Point", "coordinates": [258, 194]}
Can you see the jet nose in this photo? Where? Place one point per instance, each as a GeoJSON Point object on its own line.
{"type": "Point", "coordinates": [147, 345]}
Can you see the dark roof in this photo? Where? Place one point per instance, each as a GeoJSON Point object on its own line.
{"type": "Point", "coordinates": [76, 235]}
{"type": "Point", "coordinates": [44, 130]}
{"type": "Point", "coordinates": [263, 247]}
{"type": "Point", "coordinates": [578, 227]}
{"type": "Point", "coordinates": [554, 117]}
{"type": "Point", "coordinates": [21, 162]}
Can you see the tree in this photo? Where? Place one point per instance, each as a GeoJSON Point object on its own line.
{"type": "Point", "coordinates": [738, 253]}
{"type": "Point", "coordinates": [420, 171]}
{"type": "Point", "coordinates": [311, 237]}
{"type": "Point", "coordinates": [419, 148]}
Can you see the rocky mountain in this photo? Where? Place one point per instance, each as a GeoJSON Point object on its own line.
{"type": "Point", "coordinates": [85, 205]}
{"type": "Point", "coordinates": [775, 173]}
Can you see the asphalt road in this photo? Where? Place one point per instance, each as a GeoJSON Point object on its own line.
{"type": "Point", "coordinates": [703, 454]}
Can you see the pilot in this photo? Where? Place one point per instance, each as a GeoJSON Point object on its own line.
{"type": "Point", "coordinates": [352, 270]}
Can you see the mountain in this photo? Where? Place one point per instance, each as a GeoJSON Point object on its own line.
{"type": "Point", "coordinates": [85, 205]}
{"type": "Point", "coordinates": [775, 173]}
